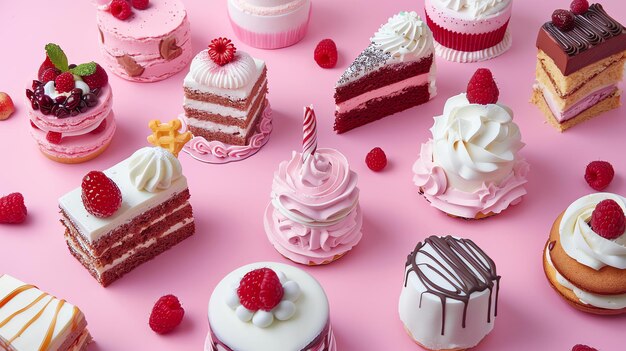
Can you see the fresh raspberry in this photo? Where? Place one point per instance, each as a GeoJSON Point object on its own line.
{"type": "Point", "coordinates": [222, 51]}
{"type": "Point", "coordinates": [563, 19]}
{"type": "Point", "coordinates": [99, 129]}
{"type": "Point", "coordinates": [53, 137]}
{"type": "Point", "coordinates": [64, 83]}
{"type": "Point", "coordinates": [608, 220]}
{"type": "Point", "coordinates": [49, 74]}
{"type": "Point", "coordinates": [44, 66]}
{"type": "Point", "coordinates": [12, 209]}
{"type": "Point", "coordinates": [260, 289]}
{"type": "Point", "coordinates": [599, 174]}
{"type": "Point", "coordinates": [579, 7]}
{"type": "Point", "coordinates": [100, 194]}
{"type": "Point", "coordinates": [325, 53]}
{"type": "Point", "coordinates": [166, 315]}
{"type": "Point", "coordinates": [482, 89]}
{"type": "Point", "coordinates": [140, 4]}
{"type": "Point", "coordinates": [581, 347]}
{"type": "Point", "coordinates": [120, 9]}
{"type": "Point", "coordinates": [376, 159]}
{"type": "Point", "coordinates": [97, 79]}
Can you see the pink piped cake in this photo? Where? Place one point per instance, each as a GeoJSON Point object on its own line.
{"type": "Point", "coordinates": [70, 111]}
{"type": "Point", "coordinates": [144, 45]}
{"type": "Point", "coordinates": [470, 168]}
{"type": "Point", "coordinates": [314, 217]}
{"type": "Point", "coordinates": [469, 30]}
{"type": "Point", "coordinates": [269, 24]}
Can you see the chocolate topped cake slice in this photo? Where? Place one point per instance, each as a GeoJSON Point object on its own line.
{"type": "Point", "coordinates": [580, 61]}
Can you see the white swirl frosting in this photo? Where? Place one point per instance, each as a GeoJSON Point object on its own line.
{"type": "Point", "coordinates": [475, 144]}
{"type": "Point", "coordinates": [581, 243]}
{"type": "Point", "coordinates": [285, 309]}
{"type": "Point", "coordinates": [475, 8]}
{"type": "Point", "coordinates": [405, 37]}
{"type": "Point", "coordinates": [153, 169]}
{"type": "Point", "coordinates": [232, 75]}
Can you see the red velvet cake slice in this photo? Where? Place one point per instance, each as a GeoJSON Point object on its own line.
{"type": "Point", "coordinates": [394, 73]}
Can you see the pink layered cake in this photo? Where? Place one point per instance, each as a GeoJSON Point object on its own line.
{"type": "Point", "coordinates": [471, 167]}
{"type": "Point", "coordinates": [269, 24]}
{"type": "Point", "coordinates": [469, 30]}
{"type": "Point", "coordinates": [314, 216]}
{"type": "Point", "coordinates": [269, 306]}
{"type": "Point", "coordinates": [70, 109]}
{"type": "Point", "coordinates": [144, 45]}
{"type": "Point", "coordinates": [394, 73]}
{"type": "Point", "coordinates": [31, 319]}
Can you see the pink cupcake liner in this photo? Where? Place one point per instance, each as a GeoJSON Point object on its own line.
{"type": "Point", "coordinates": [464, 41]}
{"type": "Point", "coordinates": [271, 40]}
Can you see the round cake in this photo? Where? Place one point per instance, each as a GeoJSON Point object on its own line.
{"type": "Point", "coordinates": [449, 300]}
{"type": "Point", "coordinates": [269, 24]}
{"type": "Point", "coordinates": [150, 45]}
{"type": "Point", "coordinates": [293, 316]}
{"type": "Point", "coordinates": [469, 30]}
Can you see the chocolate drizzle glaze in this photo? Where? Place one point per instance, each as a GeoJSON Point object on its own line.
{"type": "Point", "coordinates": [471, 270]}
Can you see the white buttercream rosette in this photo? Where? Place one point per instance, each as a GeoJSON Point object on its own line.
{"type": "Point", "coordinates": [285, 309]}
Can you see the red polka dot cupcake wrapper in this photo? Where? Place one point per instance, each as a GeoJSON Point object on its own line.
{"type": "Point", "coordinates": [465, 41]}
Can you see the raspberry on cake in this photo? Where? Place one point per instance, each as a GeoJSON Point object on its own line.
{"type": "Point", "coordinates": [268, 306]}
{"type": "Point", "coordinates": [31, 319]}
{"type": "Point", "coordinates": [579, 64]}
{"type": "Point", "coordinates": [449, 300]}
{"type": "Point", "coordinates": [394, 73]}
{"type": "Point", "coordinates": [132, 212]}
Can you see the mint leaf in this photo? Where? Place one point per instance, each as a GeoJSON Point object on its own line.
{"type": "Point", "coordinates": [57, 57]}
{"type": "Point", "coordinates": [84, 69]}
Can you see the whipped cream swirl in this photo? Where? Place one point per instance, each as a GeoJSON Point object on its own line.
{"type": "Point", "coordinates": [405, 37]}
{"type": "Point", "coordinates": [475, 8]}
{"type": "Point", "coordinates": [232, 75]}
{"type": "Point", "coordinates": [153, 169]}
{"type": "Point", "coordinates": [581, 243]}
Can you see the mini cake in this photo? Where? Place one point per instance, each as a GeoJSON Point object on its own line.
{"type": "Point", "coordinates": [449, 300]}
{"type": "Point", "coordinates": [580, 62]}
{"type": "Point", "coordinates": [70, 109]}
{"type": "Point", "coordinates": [146, 45]}
{"type": "Point", "coordinates": [394, 73]}
{"type": "Point", "coordinates": [132, 212]}
{"type": "Point", "coordinates": [269, 306]}
{"type": "Point", "coordinates": [225, 94]}
{"type": "Point", "coordinates": [31, 320]}
{"type": "Point", "coordinates": [269, 24]}
{"type": "Point", "coordinates": [314, 216]}
{"type": "Point", "coordinates": [471, 167]}
{"type": "Point", "coordinates": [469, 30]}
{"type": "Point", "coordinates": [585, 256]}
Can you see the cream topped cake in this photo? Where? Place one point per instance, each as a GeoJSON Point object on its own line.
{"type": "Point", "coordinates": [31, 319]}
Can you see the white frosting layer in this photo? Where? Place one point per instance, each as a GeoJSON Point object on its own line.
{"type": "Point", "coordinates": [268, 23]}
{"type": "Point", "coordinates": [474, 143]}
{"type": "Point", "coordinates": [240, 93]}
{"type": "Point", "coordinates": [295, 334]}
{"type": "Point", "coordinates": [233, 75]}
{"type": "Point", "coordinates": [153, 169]}
{"type": "Point", "coordinates": [472, 9]}
{"type": "Point", "coordinates": [405, 36]}
{"type": "Point", "coordinates": [581, 243]}
{"type": "Point", "coordinates": [134, 203]}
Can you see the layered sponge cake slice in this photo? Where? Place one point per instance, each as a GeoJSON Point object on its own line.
{"type": "Point", "coordinates": [579, 65]}
{"type": "Point", "coordinates": [394, 73]}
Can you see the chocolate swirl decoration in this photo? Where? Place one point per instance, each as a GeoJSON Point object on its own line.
{"type": "Point", "coordinates": [459, 262]}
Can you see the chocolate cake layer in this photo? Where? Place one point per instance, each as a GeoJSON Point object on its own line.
{"type": "Point", "coordinates": [381, 77]}
{"type": "Point", "coordinates": [378, 108]}
{"type": "Point", "coordinates": [594, 37]}
{"type": "Point", "coordinates": [242, 104]}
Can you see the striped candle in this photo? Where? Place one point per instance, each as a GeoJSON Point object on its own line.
{"type": "Point", "coordinates": [309, 130]}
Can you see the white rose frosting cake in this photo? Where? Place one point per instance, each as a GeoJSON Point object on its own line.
{"type": "Point", "coordinates": [269, 306]}
{"type": "Point", "coordinates": [314, 216]}
{"type": "Point", "coordinates": [585, 257]}
{"type": "Point", "coordinates": [471, 168]}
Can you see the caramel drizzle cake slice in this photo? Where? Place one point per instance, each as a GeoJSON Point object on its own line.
{"type": "Point", "coordinates": [31, 319]}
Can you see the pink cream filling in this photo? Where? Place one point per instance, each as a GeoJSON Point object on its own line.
{"type": "Point", "coordinates": [383, 91]}
{"type": "Point", "coordinates": [574, 110]}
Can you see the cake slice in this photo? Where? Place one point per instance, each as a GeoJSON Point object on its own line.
{"type": "Point", "coordinates": [147, 214]}
{"type": "Point", "coordinates": [225, 92]}
{"type": "Point", "coordinates": [31, 319]}
{"type": "Point", "coordinates": [395, 72]}
{"type": "Point", "coordinates": [579, 63]}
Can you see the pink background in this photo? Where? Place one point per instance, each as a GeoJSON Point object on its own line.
{"type": "Point", "coordinates": [229, 200]}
